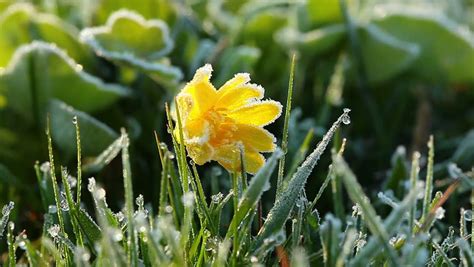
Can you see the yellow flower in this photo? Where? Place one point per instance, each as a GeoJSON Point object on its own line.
{"type": "Point", "coordinates": [217, 124]}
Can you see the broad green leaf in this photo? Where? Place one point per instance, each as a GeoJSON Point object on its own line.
{"type": "Point", "coordinates": [314, 42]}
{"type": "Point", "coordinates": [446, 49]}
{"type": "Point", "coordinates": [21, 24]}
{"type": "Point", "coordinates": [163, 9]}
{"type": "Point", "coordinates": [131, 40]}
{"type": "Point", "coordinates": [236, 59]}
{"type": "Point", "coordinates": [95, 136]}
{"type": "Point", "coordinates": [384, 55]}
{"type": "Point", "coordinates": [323, 11]}
{"type": "Point", "coordinates": [41, 71]}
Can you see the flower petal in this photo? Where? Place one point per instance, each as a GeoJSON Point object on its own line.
{"type": "Point", "coordinates": [260, 113]}
{"type": "Point", "coordinates": [238, 80]}
{"type": "Point", "coordinates": [255, 138]}
{"type": "Point", "coordinates": [229, 157]}
{"type": "Point", "coordinates": [201, 91]}
{"type": "Point", "coordinates": [240, 96]}
{"type": "Point", "coordinates": [253, 162]}
{"type": "Point", "coordinates": [200, 153]}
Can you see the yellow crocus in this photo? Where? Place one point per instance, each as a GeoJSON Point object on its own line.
{"type": "Point", "coordinates": [218, 124]}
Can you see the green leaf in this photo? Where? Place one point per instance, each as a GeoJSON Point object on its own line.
{"type": "Point", "coordinates": [323, 11]}
{"type": "Point", "coordinates": [95, 136]}
{"type": "Point", "coordinates": [236, 59]}
{"type": "Point", "coordinates": [40, 71]}
{"type": "Point", "coordinates": [384, 55]}
{"type": "Point", "coordinates": [163, 9]}
{"type": "Point", "coordinates": [447, 50]}
{"type": "Point", "coordinates": [315, 42]}
{"type": "Point", "coordinates": [131, 40]}
{"type": "Point", "coordinates": [21, 24]}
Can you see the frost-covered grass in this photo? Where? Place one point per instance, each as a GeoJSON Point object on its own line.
{"type": "Point", "coordinates": [405, 68]}
{"type": "Point", "coordinates": [190, 228]}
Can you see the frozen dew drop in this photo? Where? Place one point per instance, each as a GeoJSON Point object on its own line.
{"type": "Point", "coordinates": [188, 199]}
{"type": "Point", "coordinates": [120, 216]}
{"type": "Point", "coordinates": [91, 185]}
{"type": "Point", "coordinates": [345, 117]}
{"type": "Point", "coordinates": [140, 201]}
{"type": "Point", "coordinates": [63, 203]}
{"type": "Point", "coordinates": [53, 231]}
{"type": "Point", "coordinates": [117, 235]}
{"type": "Point", "coordinates": [45, 167]}
{"type": "Point", "coordinates": [11, 226]}
{"type": "Point", "coordinates": [253, 259]}
{"type": "Point", "coordinates": [217, 198]}
{"type": "Point", "coordinates": [168, 209]}
{"type": "Point", "coordinates": [468, 215]}
{"type": "Point", "coordinates": [100, 193]}
{"type": "Point", "coordinates": [453, 170]}
{"type": "Point", "coordinates": [22, 244]}
{"type": "Point", "coordinates": [74, 120]}
{"type": "Point", "coordinates": [162, 146]}
{"type": "Point", "coordinates": [72, 181]}
{"type": "Point", "coordinates": [52, 209]}
{"type": "Point", "coordinates": [439, 214]}
{"type": "Point", "coordinates": [8, 208]}
{"type": "Point", "coordinates": [192, 163]}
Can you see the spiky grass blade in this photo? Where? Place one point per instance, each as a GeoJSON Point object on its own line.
{"type": "Point", "coordinates": [284, 142]}
{"type": "Point", "coordinates": [71, 207]}
{"type": "Point", "coordinates": [11, 245]}
{"type": "Point", "coordinates": [6, 210]}
{"type": "Point", "coordinates": [132, 252]}
{"type": "Point", "coordinates": [55, 186]}
{"type": "Point", "coordinates": [257, 186]}
{"type": "Point", "coordinates": [287, 199]}
{"type": "Point", "coordinates": [429, 178]}
{"type": "Point", "coordinates": [415, 169]}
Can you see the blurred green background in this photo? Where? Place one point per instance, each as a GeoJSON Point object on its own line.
{"type": "Point", "coordinates": [405, 68]}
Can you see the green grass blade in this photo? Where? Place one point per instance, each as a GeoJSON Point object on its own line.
{"type": "Point", "coordinates": [466, 253]}
{"type": "Point", "coordinates": [415, 169]}
{"type": "Point", "coordinates": [55, 187]}
{"type": "Point", "coordinates": [11, 245]}
{"type": "Point", "coordinates": [391, 223]}
{"type": "Point", "coordinates": [358, 196]}
{"type": "Point", "coordinates": [71, 206]}
{"type": "Point", "coordinates": [75, 121]}
{"type": "Point", "coordinates": [284, 141]}
{"type": "Point", "coordinates": [6, 210]}
{"type": "Point", "coordinates": [329, 232]}
{"type": "Point", "coordinates": [301, 154]}
{"type": "Point", "coordinates": [132, 252]}
{"type": "Point", "coordinates": [88, 226]}
{"type": "Point", "coordinates": [286, 200]}
{"type": "Point", "coordinates": [429, 178]}
{"type": "Point", "coordinates": [257, 186]}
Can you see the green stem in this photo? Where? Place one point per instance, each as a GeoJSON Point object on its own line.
{"type": "Point", "coordinates": [284, 142]}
